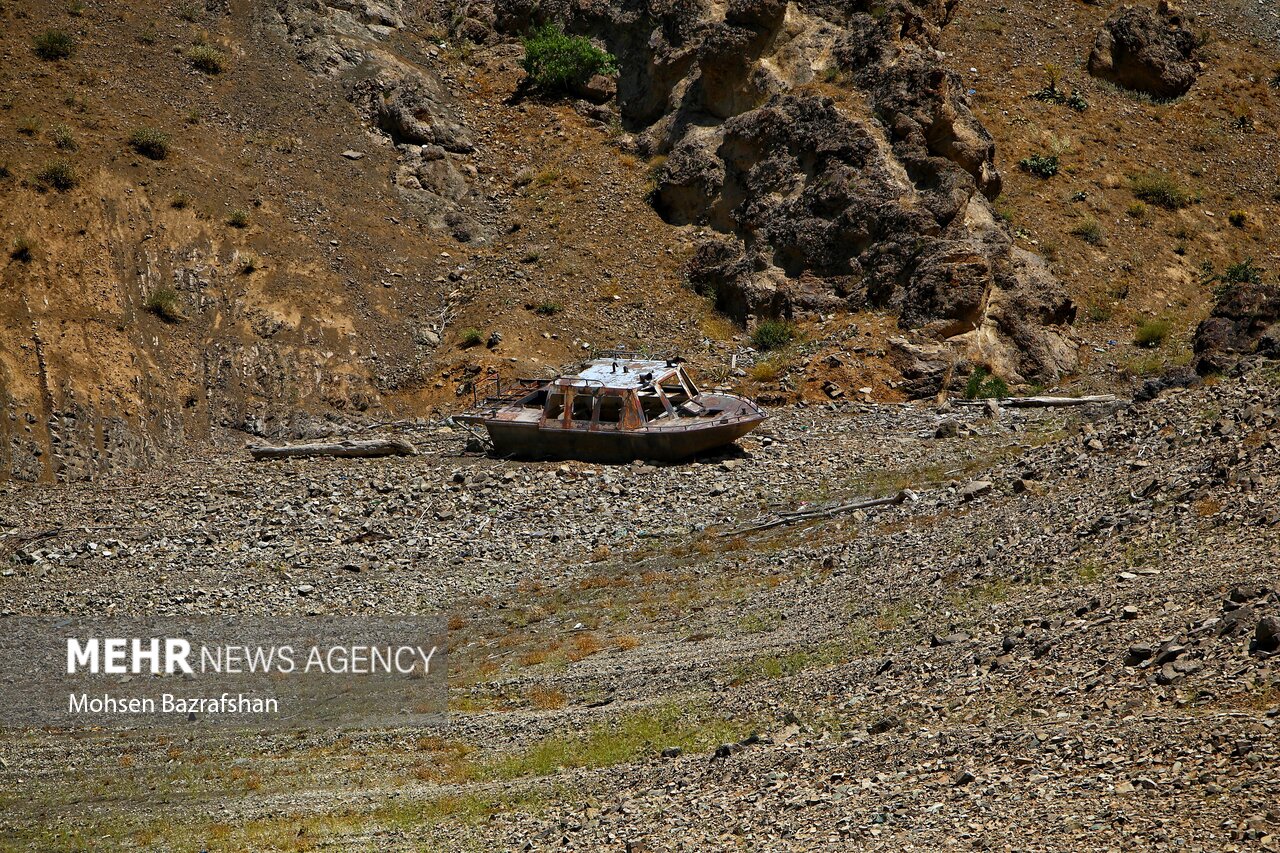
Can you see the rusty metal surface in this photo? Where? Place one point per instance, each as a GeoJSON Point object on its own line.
{"type": "Point", "coordinates": [521, 422]}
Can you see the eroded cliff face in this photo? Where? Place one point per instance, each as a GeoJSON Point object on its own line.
{"type": "Point", "coordinates": [289, 315]}
{"type": "Point", "coordinates": [833, 162]}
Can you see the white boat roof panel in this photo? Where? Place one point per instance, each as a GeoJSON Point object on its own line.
{"type": "Point", "coordinates": [619, 373]}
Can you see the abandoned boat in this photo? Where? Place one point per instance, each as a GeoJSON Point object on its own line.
{"type": "Point", "coordinates": [620, 407]}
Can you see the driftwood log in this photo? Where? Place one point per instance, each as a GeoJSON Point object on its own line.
{"type": "Point", "coordinates": [366, 448]}
{"type": "Point", "coordinates": [797, 516]}
{"type": "Point", "coordinates": [1042, 402]}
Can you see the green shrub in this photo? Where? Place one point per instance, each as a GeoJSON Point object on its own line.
{"type": "Point", "coordinates": [207, 58]}
{"type": "Point", "coordinates": [1089, 231]}
{"type": "Point", "coordinates": [983, 384]}
{"type": "Point", "coordinates": [62, 138]}
{"type": "Point", "coordinates": [471, 338]}
{"type": "Point", "coordinates": [76, 9]}
{"type": "Point", "coordinates": [53, 45]}
{"type": "Point", "coordinates": [1275, 79]}
{"type": "Point", "coordinates": [1243, 272]}
{"type": "Point", "coordinates": [557, 62]}
{"type": "Point", "coordinates": [1238, 218]}
{"type": "Point", "coordinates": [249, 264]}
{"type": "Point", "coordinates": [1040, 165]}
{"type": "Point", "coordinates": [1152, 333]}
{"type": "Point", "coordinates": [28, 126]}
{"type": "Point", "coordinates": [1161, 190]}
{"type": "Point", "coordinates": [58, 175]}
{"type": "Point", "coordinates": [547, 309]}
{"type": "Point", "coordinates": [773, 334]}
{"type": "Point", "coordinates": [164, 304]}
{"type": "Point", "coordinates": [1137, 210]}
{"type": "Point", "coordinates": [150, 143]}
{"type": "Point", "coordinates": [23, 249]}
{"type": "Point", "coordinates": [238, 218]}
{"type": "Point", "coordinates": [179, 201]}
{"type": "Point", "coordinates": [1051, 94]}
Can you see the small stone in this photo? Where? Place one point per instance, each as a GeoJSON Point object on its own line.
{"type": "Point", "coordinates": [964, 777]}
{"type": "Point", "coordinates": [1266, 637]}
{"type": "Point", "coordinates": [1137, 654]}
{"type": "Point", "coordinates": [1129, 612]}
{"type": "Point", "coordinates": [353, 155]}
{"type": "Point", "coordinates": [947, 429]}
{"type": "Point", "coordinates": [976, 489]}
{"type": "Point", "coordinates": [672, 752]}
{"type": "Point", "coordinates": [306, 589]}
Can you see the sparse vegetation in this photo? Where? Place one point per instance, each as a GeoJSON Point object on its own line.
{"type": "Point", "coordinates": [1152, 333]}
{"type": "Point", "coordinates": [470, 338]}
{"type": "Point", "coordinates": [238, 218]}
{"type": "Point", "coordinates": [62, 138]}
{"type": "Point", "coordinates": [773, 334]}
{"type": "Point", "coordinates": [207, 58]}
{"type": "Point", "coordinates": [1088, 230]}
{"type": "Point", "coordinates": [179, 201]}
{"type": "Point", "coordinates": [761, 622]}
{"type": "Point", "coordinates": [1040, 165]}
{"type": "Point", "coordinates": [1137, 210]}
{"type": "Point", "coordinates": [163, 302]}
{"type": "Point", "coordinates": [28, 126]}
{"type": "Point", "coordinates": [765, 371]}
{"type": "Point", "coordinates": [58, 175]}
{"type": "Point", "coordinates": [548, 309]}
{"type": "Point", "coordinates": [250, 264]}
{"type": "Point", "coordinates": [1161, 190]}
{"type": "Point", "coordinates": [983, 384]}
{"type": "Point", "coordinates": [76, 9]}
{"type": "Point", "coordinates": [53, 45]}
{"type": "Point", "coordinates": [1238, 218]}
{"type": "Point", "coordinates": [1099, 312]}
{"type": "Point", "coordinates": [150, 143]}
{"type": "Point", "coordinates": [1051, 94]}
{"type": "Point", "coordinates": [557, 62]}
{"type": "Point", "coordinates": [1243, 272]}
{"type": "Point", "coordinates": [22, 250]}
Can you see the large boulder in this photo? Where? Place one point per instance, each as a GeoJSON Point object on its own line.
{"type": "Point", "coordinates": [1245, 320]}
{"type": "Point", "coordinates": [1146, 50]}
{"type": "Point", "coordinates": [411, 108]}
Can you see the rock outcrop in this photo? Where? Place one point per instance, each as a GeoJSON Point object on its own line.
{"type": "Point", "coordinates": [832, 163]}
{"type": "Point", "coordinates": [405, 104]}
{"type": "Point", "coordinates": [1147, 50]}
{"type": "Point", "coordinates": [1245, 320]}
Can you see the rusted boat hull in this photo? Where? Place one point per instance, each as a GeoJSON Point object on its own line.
{"type": "Point", "coordinates": [529, 441]}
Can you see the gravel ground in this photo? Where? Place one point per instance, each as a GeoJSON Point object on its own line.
{"type": "Point", "coordinates": [1061, 639]}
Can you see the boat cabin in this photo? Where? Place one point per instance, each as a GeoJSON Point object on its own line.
{"type": "Point", "coordinates": [615, 393]}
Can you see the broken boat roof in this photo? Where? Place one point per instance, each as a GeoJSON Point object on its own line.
{"type": "Point", "coordinates": [619, 373]}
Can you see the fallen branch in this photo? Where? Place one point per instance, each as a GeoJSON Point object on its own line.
{"type": "Point", "coordinates": [1041, 402]}
{"type": "Point", "coordinates": [811, 514]}
{"type": "Point", "coordinates": [347, 449]}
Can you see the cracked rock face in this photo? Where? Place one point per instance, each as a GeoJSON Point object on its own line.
{"type": "Point", "coordinates": [1146, 50]}
{"type": "Point", "coordinates": [835, 164]}
{"type": "Point", "coordinates": [406, 104]}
